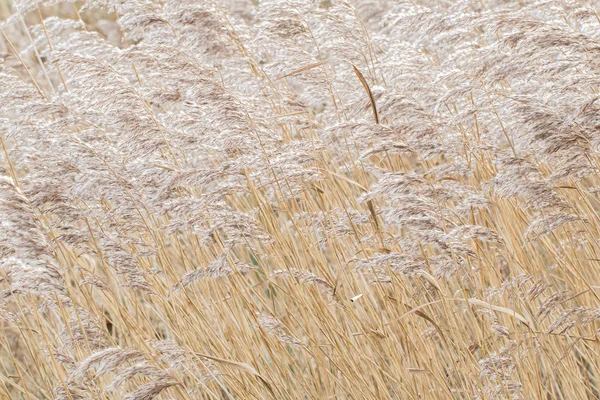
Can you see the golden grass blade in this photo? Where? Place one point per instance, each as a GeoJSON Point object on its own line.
{"type": "Point", "coordinates": [363, 81]}
{"type": "Point", "coordinates": [241, 367]}
{"type": "Point", "coordinates": [301, 70]}
{"type": "Point", "coordinates": [234, 364]}
{"type": "Point", "coordinates": [475, 302]}
{"type": "Point", "coordinates": [504, 310]}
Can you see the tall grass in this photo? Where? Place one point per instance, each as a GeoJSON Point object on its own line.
{"type": "Point", "coordinates": [299, 199]}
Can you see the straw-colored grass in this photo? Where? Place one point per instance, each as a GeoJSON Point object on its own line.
{"type": "Point", "coordinates": [269, 199]}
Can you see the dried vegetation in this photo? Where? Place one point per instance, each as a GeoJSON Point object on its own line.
{"type": "Point", "coordinates": [299, 199]}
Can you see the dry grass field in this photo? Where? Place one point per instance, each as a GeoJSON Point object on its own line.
{"type": "Point", "coordinates": [299, 199]}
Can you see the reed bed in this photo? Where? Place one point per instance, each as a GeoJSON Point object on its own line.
{"type": "Point", "coordinates": [299, 199]}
